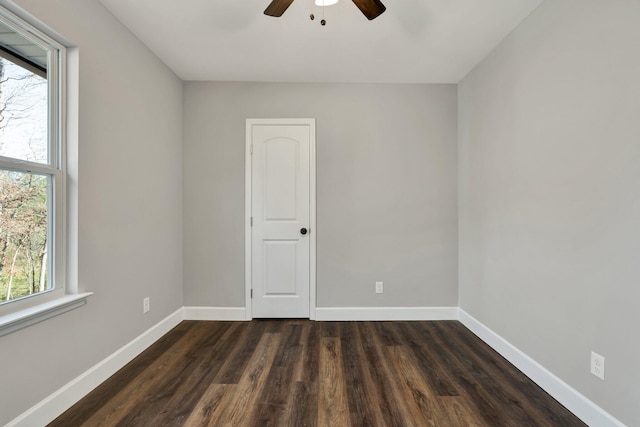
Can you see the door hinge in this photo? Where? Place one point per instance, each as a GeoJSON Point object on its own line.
{"type": "Point", "coordinates": [251, 293]}
{"type": "Point", "coordinates": [251, 221]}
{"type": "Point", "coordinates": [251, 149]}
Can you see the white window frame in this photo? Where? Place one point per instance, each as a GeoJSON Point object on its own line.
{"type": "Point", "coordinates": [63, 295]}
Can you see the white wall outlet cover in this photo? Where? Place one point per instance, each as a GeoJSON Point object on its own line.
{"type": "Point", "coordinates": [597, 365]}
{"type": "Point", "coordinates": [379, 287]}
{"type": "Point", "coordinates": [146, 305]}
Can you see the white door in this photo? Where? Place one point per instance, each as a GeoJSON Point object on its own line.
{"type": "Point", "coordinates": [281, 154]}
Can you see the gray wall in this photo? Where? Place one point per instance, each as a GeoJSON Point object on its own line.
{"type": "Point", "coordinates": [549, 130]}
{"type": "Point", "coordinates": [386, 189]}
{"type": "Point", "coordinates": [130, 207]}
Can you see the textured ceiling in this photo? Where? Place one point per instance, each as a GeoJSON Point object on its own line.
{"type": "Point", "coordinates": [414, 41]}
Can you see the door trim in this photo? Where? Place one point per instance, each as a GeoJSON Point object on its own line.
{"type": "Point", "coordinates": [248, 208]}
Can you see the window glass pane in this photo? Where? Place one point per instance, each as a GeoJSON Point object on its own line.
{"type": "Point", "coordinates": [24, 222]}
{"type": "Point", "coordinates": [23, 98]}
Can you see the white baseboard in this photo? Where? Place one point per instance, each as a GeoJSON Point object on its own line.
{"type": "Point", "coordinates": [385, 313]}
{"type": "Point", "coordinates": [582, 407]}
{"type": "Point", "coordinates": [55, 404]}
{"type": "Point", "coordinates": [215, 313]}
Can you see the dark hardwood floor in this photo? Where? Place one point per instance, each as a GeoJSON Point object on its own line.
{"type": "Point", "coordinates": [303, 373]}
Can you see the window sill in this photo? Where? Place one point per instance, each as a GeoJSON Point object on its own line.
{"type": "Point", "coordinates": [21, 319]}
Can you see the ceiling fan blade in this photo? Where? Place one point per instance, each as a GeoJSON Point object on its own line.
{"type": "Point", "coordinates": [277, 7]}
{"type": "Point", "coordinates": [371, 8]}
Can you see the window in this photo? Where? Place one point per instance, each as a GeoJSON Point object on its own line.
{"type": "Point", "coordinates": [32, 172]}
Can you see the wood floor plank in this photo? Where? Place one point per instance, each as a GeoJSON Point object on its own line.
{"type": "Point", "coordinates": [213, 397]}
{"type": "Point", "coordinates": [333, 409]}
{"type": "Point", "coordinates": [304, 411]}
{"type": "Point", "coordinates": [437, 376]}
{"type": "Point", "coordinates": [458, 412]}
{"type": "Point", "coordinates": [301, 373]}
{"type": "Point", "coordinates": [389, 405]}
{"type": "Point", "coordinates": [420, 400]}
{"type": "Point", "coordinates": [244, 348]}
{"type": "Point", "coordinates": [305, 336]}
{"type": "Point", "coordinates": [393, 382]}
{"type": "Point", "coordinates": [386, 334]}
{"type": "Point", "coordinates": [209, 360]}
{"type": "Point", "coordinates": [362, 396]}
{"type": "Point", "coordinates": [330, 329]}
{"type": "Point", "coordinates": [275, 399]}
{"type": "Point", "coordinates": [231, 409]}
{"type": "Point", "coordinates": [240, 409]}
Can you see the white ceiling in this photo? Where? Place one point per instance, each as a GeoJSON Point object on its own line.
{"type": "Point", "coordinates": [414, 41]}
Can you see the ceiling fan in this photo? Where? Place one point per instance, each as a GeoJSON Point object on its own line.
{"type": "Point", "coordinates": [371, 8]}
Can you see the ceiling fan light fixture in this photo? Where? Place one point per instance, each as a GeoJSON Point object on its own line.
{"type": "Point", "coordinates": [325, 2]}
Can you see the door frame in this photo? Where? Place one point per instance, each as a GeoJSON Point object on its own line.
{"type": "Point", "coordinates": [248, 252]}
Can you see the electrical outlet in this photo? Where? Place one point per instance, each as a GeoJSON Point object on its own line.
{"type": "Point", "coordinates": [597, 365]}
{"type": "Point", "coordinates": [379, 287]}
{"type": "Point", "coordinates": [146, 305]}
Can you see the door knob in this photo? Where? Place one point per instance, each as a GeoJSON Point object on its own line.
{"type": "Point", "coordinates": [303, 231]}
